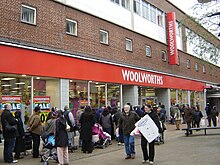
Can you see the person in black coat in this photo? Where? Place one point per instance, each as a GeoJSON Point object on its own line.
{"type": "Point", "coordinates": [20, 140]}
{"type": "Point", "coordinates": [87, 121]}
{"type": "Point", "coordinates": [149, 157]}
{"type": "Point", "coordinates": [9, 136]}
{"type": "Point", "coordinates": [61, 138]}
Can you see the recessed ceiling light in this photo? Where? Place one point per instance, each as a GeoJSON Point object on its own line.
{"type": "Point", "coordinates": [15, 88]}
{"type": "Point", "coordinates": [8, 78]}
{"type": "Point", "coordinates": [20, 83]}
{"type": "Point", "coordinates": [6, 85]}
{"type": "Point", "coordinates": [71, 80]}
{"type": "Point", "coordinates": [23, 75]}
{"type": "Point", "coordinates": [38, 78]}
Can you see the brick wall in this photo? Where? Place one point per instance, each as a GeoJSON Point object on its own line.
{"type": "Point", "coordinates": [50, 32]}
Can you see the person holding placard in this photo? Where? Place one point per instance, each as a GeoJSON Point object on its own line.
{"type": "Point", "coordinates": [149, 157]}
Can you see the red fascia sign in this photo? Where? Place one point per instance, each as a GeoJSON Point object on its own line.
{"type": "Point", "coordinates": [171, 35]}
{"type": "Point", "coordinates": [36, 63]}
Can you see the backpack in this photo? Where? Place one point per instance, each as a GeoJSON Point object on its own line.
{"type": "Point", "coordinates": [66, 116]}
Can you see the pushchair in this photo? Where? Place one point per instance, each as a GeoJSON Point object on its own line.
{"type": "Point", "coordinates": [48, 151]}
{"type": "Point", "coordinates": [160, 138]}
{"type": "Point", "coordinates": [99, 138]}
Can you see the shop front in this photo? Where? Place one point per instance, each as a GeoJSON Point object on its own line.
{"type": "Point", "coordinates": [48, 79]}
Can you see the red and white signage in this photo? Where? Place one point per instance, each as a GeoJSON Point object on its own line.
{"type": "Point", "coordinates": [172, 46]}
{"type": "Point", "coordinates": [36, 63]}
{"type": "Point", "coordinates": [15, 102]}
{"type": "Point", "coordinates": [42, 101]}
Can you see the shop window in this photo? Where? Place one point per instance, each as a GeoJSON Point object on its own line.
{"type": "Point", "coordinates": [78, 94]}
{"type": "Point", "coordinates": [188, 63]}
{"type": "Point", "coordinates": [197, 67]}
{"type": "Point", "coordinates": [115, 1]}
{"type": "Point", "coordinates": [204, 69]}
{"type": "Point", "coordinates": [128, 44]}
{"type": "Point", "coordinates": [103, 37]}
{"type": "Point", "coordinates": [137, 8]}
{"type": "Point", "coordinates": [113, 93]}
{"type": "Point", "coordinates": [148, 50]}
{"type": "Point", "coordinates": [153, 14]}
{"type": "Point", "coordinates": [145, 9]}
{"type": "Point", "coordinates": [71, 27]}
{"type": "Point", "coordinates": [28, 14]}
{"type": "Point", "coordinates": [97, 94]}
{"type": "Point", "coordinates": [164, 56]}
{"type": "Point", "coordinates": [126, 4]}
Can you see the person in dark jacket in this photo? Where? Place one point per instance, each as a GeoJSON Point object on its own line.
{"type": "Point", "coordinates": [106, 121]}
{"type": "Point", "coordinates": [20, 140]}
{"type": "Point", "coordinates": [9, 136]}
{"type": "Point", "coordinates": [127, 121]}
{"type": "Point", "coordinates": [197, 117]}
{"type": "Point", "coordinates": [87, 121]}
{"type": "Point", "coordinates": [149, 156]}
{"type": "Point", "coordinates": [61, 138]}
{"type": "Point", "coordinates": [189, 117]}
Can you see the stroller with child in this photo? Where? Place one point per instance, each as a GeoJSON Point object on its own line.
{"type": "Point", "coordinates": [100, 138]}
{"type": "Point", "coordinates": [48, 152]}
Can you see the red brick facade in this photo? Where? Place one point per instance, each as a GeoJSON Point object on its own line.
{"type": "Point", "coordinates": [50, 32]}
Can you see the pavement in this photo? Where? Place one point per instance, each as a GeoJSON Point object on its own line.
{"type": "Point", "coordinates": [178, 149]}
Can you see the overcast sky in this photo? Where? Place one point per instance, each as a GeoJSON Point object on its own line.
{"type": "Point", "coordinates": [184, 4]}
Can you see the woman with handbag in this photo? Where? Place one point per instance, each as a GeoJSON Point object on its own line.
{"type": "Point", "coordinates": [20, 140]}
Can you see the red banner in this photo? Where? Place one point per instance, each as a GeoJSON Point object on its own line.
{"type": "Point", "coordinates": [38, 63]}
{"type": "Point", "coordinates": [172, 46]}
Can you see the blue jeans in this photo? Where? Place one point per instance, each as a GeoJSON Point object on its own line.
{"type": "Point", "coordinates": [129, 144]}
{"type": "Point", "coordinates": [9, 145]}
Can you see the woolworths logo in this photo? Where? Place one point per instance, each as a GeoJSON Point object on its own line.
{"type": "Point", "coordinates": [142, 77]}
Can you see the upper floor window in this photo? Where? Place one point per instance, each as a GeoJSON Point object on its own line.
{"type": "Point", "coordinates": [28, 14]}
{"type": "Point", "coordinates": [153, 14]}
{"type": "Point", "coordinates": [148, 50]}
{"type": "Point", "coordinates": [197, 67]}
{"type": "Point", "coordinates": [204, 69]}
{"type": "Point", "coordinates": [188, 63]}
{"type": "Point", "coordinates": [103, 37]}
{"type": "Point", "coordinates": [115, 1]}
{"type": "Point", "coordinates": [128, 44]}
{"type": "Point", "coordinates": [137, 6]}
{"type": "Point", "coordinates": [71, 27]}
{"type": "Point", "coordinates": [126, 4]}
{"type": "Point", "coordinates": [160, 18]}
{"type": "Point", "coordinates": [178, 29]}
{"type": "Point", "coordinates": [145, 9]}
{"type": "Point", "coordinates": [163, 56]}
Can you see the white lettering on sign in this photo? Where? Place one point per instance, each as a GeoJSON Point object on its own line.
{"type": "Point", "coordinates": [142, 77]}
{"type": "Point", "coordinates": [171, 37]}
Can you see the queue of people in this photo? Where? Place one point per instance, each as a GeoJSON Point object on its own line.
{"type": "Point", "coordinates": [62, 125]}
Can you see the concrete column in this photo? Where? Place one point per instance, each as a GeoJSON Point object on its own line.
{"type": "Point", "coordinates": [188, 96]}
{"type": "Point", "coordinates": [64, 93]}
{"type": "Point", "coordinates": [163, 96]}
{"type": "Point", "coordinates": [130, 94]}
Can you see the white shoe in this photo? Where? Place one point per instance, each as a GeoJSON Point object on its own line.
{"type": "Point", "coordinates": [145, 161]}
{"type": "Point", "coordinates": [151, 162]}
{"type": "Point", "coordinates": [15, 161]}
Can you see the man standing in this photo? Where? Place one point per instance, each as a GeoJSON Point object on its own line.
{"type": "Point", "coordinates": [71, 122]}
{"type": "Point", "coordinates": [127, 121]}
{"type": "Point", "coordinates": [177, 116]}
{"type": "Point", "coordinates": [189, 117]}
{"type": "Point", "coordinates": [9, 136]}
{"type": "Point", "coordinates": [35, 127]}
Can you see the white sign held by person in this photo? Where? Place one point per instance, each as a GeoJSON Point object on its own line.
{"type": "Point", "coordinates": [148, 128]}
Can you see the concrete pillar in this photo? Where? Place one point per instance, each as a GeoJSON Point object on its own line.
{"type": "Point", "coordinates": [64, 93]}
{"type": "Point", "coordinates": [130, 94]}
{"type": "Point", "coordinates": [163, 96]}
